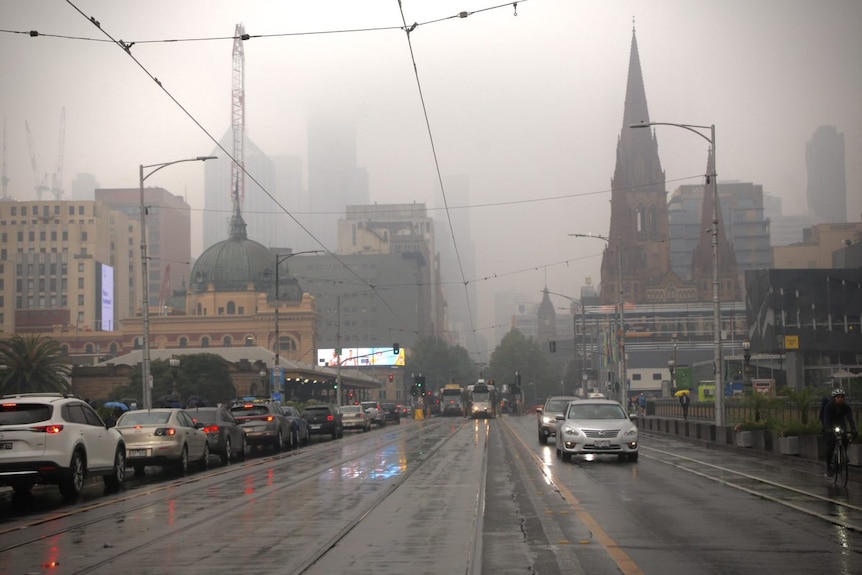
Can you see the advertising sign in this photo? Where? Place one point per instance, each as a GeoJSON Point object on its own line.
{"type": "Point", "coordinates": [360, 357]}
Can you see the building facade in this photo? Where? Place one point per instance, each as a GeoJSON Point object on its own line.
{"type": "Point", "coordinates": [827, 180]}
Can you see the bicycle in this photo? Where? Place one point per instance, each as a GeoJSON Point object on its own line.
{"type": "Point", "coordinates": [840, 463]}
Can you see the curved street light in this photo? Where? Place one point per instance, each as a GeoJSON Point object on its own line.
{"type": "Point", "coordinates": [716, 320]}
{"type": "Point", "coordinates": [624, 394]}
{"type": "Point", "coordinates": [146, 384]}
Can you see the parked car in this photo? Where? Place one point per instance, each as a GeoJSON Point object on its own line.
{"type": "Point", "coordinates": [324, 419]}
{"type": "Point", "coordinates": [264, 423]}
{"type": "Point", "coordinates": [405, 410]}
{"type": "Point", "coordinates": [57, 439]}
{"type": "Point", "coordinates": [166, 436]}
{"type": "Point", "coordinates": [225, 436]}
{"type": "Point", "coordinates": [547, 415]}
{"type": "Point", "coordinates": [354, 417]}
{"type": "Point", "coordinates": [596, 426]}
{"type": "Point", "coordinates": [391, 413]}
{"type": "Point", "coordinates": [374, 411]}
{"type": "Point", "coordinates": [299, 432]}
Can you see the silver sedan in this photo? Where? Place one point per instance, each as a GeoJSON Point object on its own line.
{"type": "Point", "coordinates": [596, 426]}
{"type": "Point", "coordinates": [166, 437]}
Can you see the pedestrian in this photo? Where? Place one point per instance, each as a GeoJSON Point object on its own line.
{"type": "Point", "coordinates": [642, 404]}
{"type": "Point", "coordinates": [684, 401]}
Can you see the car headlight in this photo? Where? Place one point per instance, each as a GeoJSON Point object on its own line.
{"type": "Point", "coordinates": [571, 431]}
{"type": "Point", "coordinates": [630, 432]}
{"type": "Point", "coordinates": [546, 419]}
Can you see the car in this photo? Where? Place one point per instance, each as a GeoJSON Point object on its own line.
{"type": "Point", "coordinates": [225, 436]}
{"type": "Point", "coordinates": [374, 411]}
{"type": "Point", "coordinates": [404, 410]}
{"type": "Point", "coordinates": [596, 426]}
{"type": "Point", "coordinates": [299, 431]}
{"type": "Point", "coordinates": [324, 419]}
{"type": "Point", "coordinates": [546, 416]}
{"type": "Point", "coordinates": [391, 413]}
{"type": "Point", "coordinates": [264, 422]}
{"type": "Point", "coordinates": [354, 417]}
{"type": "Point", "coordinates": [165, 436]}
{"type": "Point", "coordinates": [57, 439]}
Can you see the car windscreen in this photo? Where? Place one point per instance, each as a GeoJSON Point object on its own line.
{"type": "Point", "coordinates": [23, 413]}
{"type": "Point", "coordinates": [143, 418]}
{"type": "Point", "coordinates": [350, 409]}
{"type": "Point", "coordinates": [558, 405]}
{"type": "Point", "coordinates": [578, 411]}
{"type": "Point", "coordinates": [203, 415]}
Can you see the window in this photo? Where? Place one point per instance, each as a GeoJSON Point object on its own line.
{"type": "Point", "coordinates": [81, 299]}
{"type": "Point", "coordinates": [80, 283]}
{"type": "Point", "coordinates": [84, 236]}
{"type": "Point", "coordinates": [636, 377]}
{"type": "Point", "coordinates": [226, 341]}
{"type": "Point", "coordinates": [184, 342]}
{"type": "Point", "coordinates": [656, 377]}
{"type": "Point", "coordinates": [65, 235]}
{"type": "Point", "coordinates": [53, 235]}
{"type": "Point", "coordinates": [205, 342]}
{"type": "Point", "coordinates": [231, 308]}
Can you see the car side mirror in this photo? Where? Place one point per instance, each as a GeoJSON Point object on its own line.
{"type": "Point", "coordinates": [559, 417]}
{"type": "Point", "coordinates": [199, 425]}
{"type": "Point", "coordinates": [633, 416]}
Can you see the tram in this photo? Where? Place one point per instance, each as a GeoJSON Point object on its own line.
{"type": "Point", "coordinates": [482, 400]}
{"type": "Point", "coordinates": [452, 400]}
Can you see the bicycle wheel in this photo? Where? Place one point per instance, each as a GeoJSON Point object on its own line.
{"type": "Point", "coordinates": [836, 463]}
{"type": "Point", "coordinates": [845, 464]}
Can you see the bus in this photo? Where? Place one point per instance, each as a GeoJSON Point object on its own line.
{"type": "Point", "coordinates": [481, 400]}
{"type": "Point", "coordinates": [452, 400]}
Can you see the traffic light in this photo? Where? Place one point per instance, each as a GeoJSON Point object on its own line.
{"type": "Point", "coordinates": [396, 348]}
{"type": "Point", "coordinates": [391, 377]}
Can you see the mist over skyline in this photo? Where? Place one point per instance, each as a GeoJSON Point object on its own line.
{"type": "Point", "coordinates": [528, 107]}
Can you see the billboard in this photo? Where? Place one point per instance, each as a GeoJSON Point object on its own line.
{"type": "Point", "coordinates": [105, 308]}
{"type": "Point", "coordinates": [360, 357]}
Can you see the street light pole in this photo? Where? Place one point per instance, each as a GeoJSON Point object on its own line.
{"type": "Point", "coordinates": [278, 259]}
{"type": "Point", "coordinates": [146, 390]}
{"type": "Point", "coordinates": [716, 320]}
{"type": "Point", "coordinates": [624, 394]}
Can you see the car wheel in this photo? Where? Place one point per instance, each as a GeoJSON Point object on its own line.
{"type": "Point", "coordinates": [73, 481]}
{"type": "Point", "coordinates": [204, 461]}
{"type": "Point", "coordinates": [543, 439]}
{"type": "Point", "coordinates": [279, 442]}
{"type": "Point", "coordinates": [243, 452]}
{"type": "Point", "coordinates": [334, 433]}
{"type": "Point", "coordinates": [139, 469]}
{"type": "Point", "coordinates": [226, 454]}
{"type": "Point", "coordinates": [307, 437]}
{"type": "Point", "coordinates": [566, 456]}
{"type": "Point", "coordinates": [558, 452]}
{"type": "Point", "coordinates": [294, 439]}
{"type": "Point", "coordinates": [633, 456]}
{"type": "Point", "coordinates": [115, 479]}
{"type": "Point", "coordinates": [182, 464]}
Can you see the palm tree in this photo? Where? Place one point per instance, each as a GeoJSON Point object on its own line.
{"type": "Point", "coordinates": [33, 364]}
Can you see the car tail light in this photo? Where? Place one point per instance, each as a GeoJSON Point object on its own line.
{"type": "Point", "coordinates": [211, 429]}
{"type": "Point", "coordinates": [269, 418]}
{"type": "Point", "coordinates": [165, 431]}
{"type": "Point", "coordinates": [49, 429]}
{"type": "Point", "coordinates": [330, 417]}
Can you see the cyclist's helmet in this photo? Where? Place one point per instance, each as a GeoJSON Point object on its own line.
{"type": "Point", "coordinates": [837, 392]}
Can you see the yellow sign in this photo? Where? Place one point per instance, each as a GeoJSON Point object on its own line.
{"type": "Point", "coordinates": [791, 342]}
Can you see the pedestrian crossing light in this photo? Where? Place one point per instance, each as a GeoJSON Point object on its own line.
{"type": "Point", "coordinates": [396, 348]}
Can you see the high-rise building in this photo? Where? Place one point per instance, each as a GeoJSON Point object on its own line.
{"type": "Point", "coordinates": [73, 265]}
{"type": "Point", "coordinates": [334, 179]}
{"type": "Point", "coordinates": [827, 180]}
{"type": "Point", "coordinates": [168, 237]}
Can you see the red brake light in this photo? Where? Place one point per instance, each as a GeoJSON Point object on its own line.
{"type": "Point", "coordinates": [330, 417]}
{"type": "Point", "coordinates": [49, 429]}
{"type": "Point", "coordinates": [211, 429]}
{"type": "Point", "coordinates": [270, 418]}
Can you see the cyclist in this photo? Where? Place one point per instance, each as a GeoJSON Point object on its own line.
{"type": "Point", "coordinates": [836, 413]}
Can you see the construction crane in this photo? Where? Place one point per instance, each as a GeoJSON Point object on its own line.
{"type": "Point", "coordinates": [57, 180]}
{"type": "Point", "coordinates": [3, 178]}
{"type": "Point", "coordinates": [237, 175]}
{"type": "Point", "coordinates": [41, 184]}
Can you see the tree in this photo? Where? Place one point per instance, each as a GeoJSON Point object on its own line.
{"type": "Point", "coordinates": [440, 363]}
{"type": "Point", "coordinates": [34, 364]}
{"type": "Point", "coordinates": [517, 353]}
{"type": "Point", "coordinates": [204, 375]}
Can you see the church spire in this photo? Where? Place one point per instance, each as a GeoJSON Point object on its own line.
{"type": "Point", "coordinates": [237, 224]}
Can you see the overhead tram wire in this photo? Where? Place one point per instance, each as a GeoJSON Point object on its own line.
{"type": "Point", "coordinates": [125, 47]}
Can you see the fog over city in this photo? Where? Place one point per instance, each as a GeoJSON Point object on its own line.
{"type": "Point", "coordinates": [525, 100]}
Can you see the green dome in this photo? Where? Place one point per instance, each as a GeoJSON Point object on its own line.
{"type": "Point", "coordinates": [231, 265]}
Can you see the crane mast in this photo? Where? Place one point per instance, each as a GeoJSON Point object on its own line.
{"type": "Point", "coordinates": [57, 181]}
{"type": "Point", "coordinates": [237, 179]}
{"type": "Point", "coordinates": [41, 185]}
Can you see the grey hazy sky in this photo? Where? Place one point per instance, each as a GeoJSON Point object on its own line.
{"type": "Point", "coordinates": [530, 107]}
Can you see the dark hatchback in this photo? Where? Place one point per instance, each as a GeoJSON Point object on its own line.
{"type": "Point", "coordinates": [391, 413]}
{"type": "Point", "coordinates": [225, 436]}
{"type": "Point", "coordinates": [324, 420]}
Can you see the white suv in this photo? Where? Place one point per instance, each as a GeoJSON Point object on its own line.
{"type": "Point", "coordinates": [57, 439]}
{"type": "Point", "coordinates": [374, 411]}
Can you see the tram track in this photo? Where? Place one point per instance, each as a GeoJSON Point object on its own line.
{"type": "Point", "coordinates": [23, 537]}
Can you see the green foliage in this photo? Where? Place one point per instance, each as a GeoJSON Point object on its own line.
{"type": "Point", "coordinates": [801, 399]}
{"type": "Point", "coordinates": [440, 363]}
{"type": "Point", "coordinates": [796, 428]}
{"type": "Point", "coordinates": [33, 364]}
{"type": "Point", "coordinates": [517, 353]}
{"type": "Point", "coordinates": [203, 375]}
{"type": "Point", "coordinates": [751, 425]}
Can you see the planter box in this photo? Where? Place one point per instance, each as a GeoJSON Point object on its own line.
{"type": "Point", "coordinates": [854, 454]}
{"type": "Point", "coordinates": [744, 439]}
{"type": "Point", "coordinates": [812, 447]}
{"type": "Point", "coordinates": [789, 445]}
{"type": "Point", "coordinates": [762, 439]}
